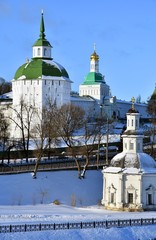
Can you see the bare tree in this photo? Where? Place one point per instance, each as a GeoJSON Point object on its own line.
{"type": "Point", "coordinates": [22, 118]}
{"type": "Point", "coordinates": [151, 109]}
{"type": "Point", "coordinates": [39, 134]}
{"type": "Point", "coordinates": [44, 133]}
{"type": "Point", "coordinates": [90, 137]}
{"type": "Point", "coordinates": [4, 133]}
{"type": "Point", "coordinates": [69, 119]}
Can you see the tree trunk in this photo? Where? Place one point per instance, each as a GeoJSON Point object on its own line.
{"type": "Point", "coordinates": [37, 164]}
{"type": "Point", "coordinates": [85, 167]}
{"type": "Point", "coordinates": [78, 167]}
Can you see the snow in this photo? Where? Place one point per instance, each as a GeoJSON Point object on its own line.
{"type": "Point", "coordinates": [21, 197]}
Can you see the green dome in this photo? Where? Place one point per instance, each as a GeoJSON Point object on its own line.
{"type": "Point", "coordinates": [93, 78]}
{"type": "Point", "coordinates": [38, 67]}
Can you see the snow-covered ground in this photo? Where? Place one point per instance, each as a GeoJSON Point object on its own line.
{"type": "Point", "coordinates": [27, 200]}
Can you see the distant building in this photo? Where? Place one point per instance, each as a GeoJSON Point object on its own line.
{"type": "Point", "coordinates": [129, 183]}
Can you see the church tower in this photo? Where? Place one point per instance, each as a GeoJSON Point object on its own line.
{"type": "Point", "coordinates": [41, 80]}
{"type": "Point", "coordinates": [133, 137]}
{"type": "Point", "coordinates": [94, 84]}
{"type": "Point", "coordinates": [42, 48]}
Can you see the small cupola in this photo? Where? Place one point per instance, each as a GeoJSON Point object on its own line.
{"type": "Point", "coordinates": [42, 47]}
{"type": "Point", "coordinates": [133, 117]}
{"type": "Point", "coordinates": [94, 61]}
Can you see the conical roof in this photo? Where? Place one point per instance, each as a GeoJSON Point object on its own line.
{"type": "Point", "coordinates": [42, 41]}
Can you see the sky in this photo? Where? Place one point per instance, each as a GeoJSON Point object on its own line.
{"type": "Point", "coordinates": [124, 33]}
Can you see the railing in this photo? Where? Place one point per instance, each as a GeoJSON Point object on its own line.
{"type": "Point", "coordinates": [79, 225]}
{"type": "Point", "coordinates": [48, 165]}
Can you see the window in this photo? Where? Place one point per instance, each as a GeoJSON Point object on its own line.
{"type": "Point", "coordinates": [125, 145]}
{"type": "Point", "coordinates": [149, 199]}
{"type": "Point", "coordinates": [45, 52]}
{"type": "Point", "coordinates": [130, 197]}
{"type": "Point", "coordinates": [131, 146]}
{"type": "Point", "coordinates": [138, 146]}
{"type": "Point", "coordinates": [112, 197]}
{"type": "Point", "coordinates": [38, 51]}
{"type": "Point", "coordinates": [132, 122]}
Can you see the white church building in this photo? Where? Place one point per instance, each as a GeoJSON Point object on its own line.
{"type": "Point", "coordinates": [129, 183]}
{"type": "Point", "coordinates": [41, 79]}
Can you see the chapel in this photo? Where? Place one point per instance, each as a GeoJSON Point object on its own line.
{"type": "Point", "coordinates": [129, 182]}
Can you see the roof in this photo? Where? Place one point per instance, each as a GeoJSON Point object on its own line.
{"type": "Point", "coordinates": [39, 67]}
{"type": "Point", "coordinates": [93, 78]}
{"type": "Point", "coordinates": [94, 56]}
{"type": "Point", "coordinates": [42, 41]}
{"type": "Point", "coordinates": [141, 161]}
{"type": "Point", "coordinates": [132, 110]}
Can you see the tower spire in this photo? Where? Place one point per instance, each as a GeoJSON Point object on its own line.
{"type": "Point", "coordinates": [94, 61]}
{"type": "Point", "coordinates": [42, 28]}
{"type": "Point", "coordinates": [42, 47]}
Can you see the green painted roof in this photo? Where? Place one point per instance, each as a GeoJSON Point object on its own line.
{"type": "Point", "coordinates": [38, 67]}
{"type": "Point", "coordinates": [42, 42]}
{"type": "Point", "coordinates": [93, 78]}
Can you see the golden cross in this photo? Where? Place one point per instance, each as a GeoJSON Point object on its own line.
{"type": "Point", "coordinates": [133, 101]}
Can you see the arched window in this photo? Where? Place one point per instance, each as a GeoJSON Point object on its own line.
{"type": "Point", "coordinates": [45, 52]}
{"type": "Point", "coordinates": [38, 51]}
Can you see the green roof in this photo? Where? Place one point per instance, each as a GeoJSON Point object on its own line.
{"type": "Point", "coordinates": [38, 67]}
{"type": "Point", "coordinates": [93, 78]}
{"type": "Point", "coordinates": [42, 42]}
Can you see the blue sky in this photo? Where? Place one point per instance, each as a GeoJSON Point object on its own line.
{"type": "Point", "coordinates": [124, 32]}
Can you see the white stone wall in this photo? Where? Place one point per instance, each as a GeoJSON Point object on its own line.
{"type": "Point", "coordinates": [149, 187]}
{"type": "Point", "coordinates": [121, 185]}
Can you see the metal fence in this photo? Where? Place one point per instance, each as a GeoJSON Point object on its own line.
{"type": "Point", "coordinates": [79, 225]}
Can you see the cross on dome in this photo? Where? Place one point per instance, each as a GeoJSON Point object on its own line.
{"type": "Point", "coordinates": [133, 101]}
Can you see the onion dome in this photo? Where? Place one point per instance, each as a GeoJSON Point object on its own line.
{"type": "Point", "coordinates": [94, 56]}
